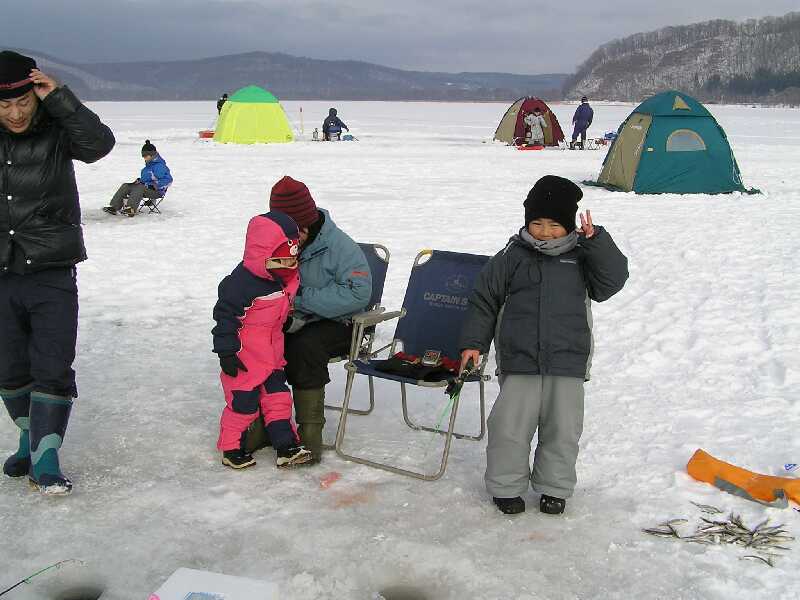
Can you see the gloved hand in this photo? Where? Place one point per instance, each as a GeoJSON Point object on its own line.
{"type": "Point", "coordinates": [231, 364]}
{"type": "Point", "coordinates": [293, 324]}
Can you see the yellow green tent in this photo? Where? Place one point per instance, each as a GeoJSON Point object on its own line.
{"type": "Point", "coordinates": [251, 116]}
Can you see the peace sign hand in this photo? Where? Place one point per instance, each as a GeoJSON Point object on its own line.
{"type": "Point", "coordinates": [587, 229]}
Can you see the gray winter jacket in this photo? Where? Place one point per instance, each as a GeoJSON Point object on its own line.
{"type": "Point", "coordinates": [541, 304]}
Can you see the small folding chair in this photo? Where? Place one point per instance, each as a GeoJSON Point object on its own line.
{"type": "Point", "coordinates": [361, 342]}
{"type": "Point", "coordinates": [152, 203]}
{"type": "Point", "coordinates": [430, 321]}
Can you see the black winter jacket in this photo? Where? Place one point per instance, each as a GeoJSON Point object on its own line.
{"type": "Point", "coordinates": [40, 217]}
{"type": "Point", "coordinates": [545, 325]}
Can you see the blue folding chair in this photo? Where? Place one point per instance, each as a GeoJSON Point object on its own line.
{"type": "Point", "coordinates": [361, 343]}
{"type": "Point", "coordinates": [430, 322]}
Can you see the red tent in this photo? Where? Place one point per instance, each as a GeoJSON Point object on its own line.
{"type": "Point", "coordinates": [512, 126]}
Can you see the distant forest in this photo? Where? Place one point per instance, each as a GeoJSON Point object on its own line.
{"type": "Point", "coordinates": [754, 61]}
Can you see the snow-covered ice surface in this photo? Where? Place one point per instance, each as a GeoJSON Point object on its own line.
{"type": "Point", "coordinates": [698, 350]}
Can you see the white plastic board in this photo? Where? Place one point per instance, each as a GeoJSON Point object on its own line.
{"type": "Point", "coordinates": [191, 584]}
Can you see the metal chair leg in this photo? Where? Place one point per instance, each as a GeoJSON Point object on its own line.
{"type": "Point", "coordinates": [461, 436]}
{"type": "Point", "coordinates": [340, 433]}
{"type": "Point", "coordinates": [357, 411]}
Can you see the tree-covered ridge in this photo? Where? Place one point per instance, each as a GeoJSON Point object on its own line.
{"type": "Point", "coordinates": [756, 60]}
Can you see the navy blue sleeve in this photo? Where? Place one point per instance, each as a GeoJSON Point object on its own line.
{"type": "Point", "coordinates": [228, 313]}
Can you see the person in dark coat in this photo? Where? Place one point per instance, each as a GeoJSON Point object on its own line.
{"type": "Point", "coordinates": [534, 298]}
{"type": "Point", "coordinates": [581, 121]}
{"type": "Point", "coordinates": [152, 183]}
{"type": "Point", "coordinates": [43, 128]}
{"type": "Point", "coordinates": [221, 102]}
{"type": "Point", "coordinates": [332, 125]}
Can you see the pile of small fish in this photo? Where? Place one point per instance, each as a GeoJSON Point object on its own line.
{"type": "Point", "coordinates": [762, 539]}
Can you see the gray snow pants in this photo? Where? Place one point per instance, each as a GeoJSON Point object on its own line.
{"type": "Point", "coordinates": [133, 193]}
{"type": "Point", "coordinates": [554, 406]}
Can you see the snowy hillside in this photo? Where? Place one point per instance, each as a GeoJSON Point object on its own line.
{"type": "Point", "coordinates": [758, 60]}
{"type": "Point", "coordinates": [698, 351]}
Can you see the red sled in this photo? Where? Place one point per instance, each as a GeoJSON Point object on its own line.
{"type": "Point", "coordinates": [530, 147]}
{"type": "Point", "coordinates": [206, 134]}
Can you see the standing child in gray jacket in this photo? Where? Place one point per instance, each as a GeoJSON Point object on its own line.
{"type": "Point", "coordinates": [539, 288]}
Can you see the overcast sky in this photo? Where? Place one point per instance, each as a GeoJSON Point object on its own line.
{"type": "Point", "coordinates": [430, 35]}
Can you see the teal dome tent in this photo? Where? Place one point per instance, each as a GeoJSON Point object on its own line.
{"type": "Point", "coordinates": [671, 143]}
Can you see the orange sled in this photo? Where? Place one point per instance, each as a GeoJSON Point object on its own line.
{"type": "Point", "coordinates": [765, 489]}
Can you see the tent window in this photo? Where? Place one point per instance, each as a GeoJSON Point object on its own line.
{"type": "Point", "coordinates": [685, 140]}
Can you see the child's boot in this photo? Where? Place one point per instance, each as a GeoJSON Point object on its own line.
{"type": "Point", "coordinates": [292, 456]}
{"type": "Point", "coordinates": [49, 415]}
{"type": "Point", "coordinates": [552, 505]}
{"type": "Point", "coordinates": [18, 403]}
{"type": "Point", "coordinates": [510, 506]}
{"type": "Point", "coordinates": [237, 459]}
{"type": "Point", "coordinates": [309, 407]}
{"type": "Point", "coordinates": [288, 448]}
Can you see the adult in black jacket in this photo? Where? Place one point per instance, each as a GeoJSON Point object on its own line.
{"type": "Point", "coordinates": [43, 127]}
{"type": "Point", "coordinates": [221, 102]}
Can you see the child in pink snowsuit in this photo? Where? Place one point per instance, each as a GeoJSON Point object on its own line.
{"type": "Point", "coordinates": [254, 301]}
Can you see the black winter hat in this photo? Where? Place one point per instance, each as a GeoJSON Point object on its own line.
{"type": "Point", "coordinates": [148, 148]}
{"type": "Point", "coordinates": [14, 71]}
{"type": "Point", "coordinates": [553, 197]}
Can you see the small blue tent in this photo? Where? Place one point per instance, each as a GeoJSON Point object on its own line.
{"type": "Point", "coordinates": [670, 143]}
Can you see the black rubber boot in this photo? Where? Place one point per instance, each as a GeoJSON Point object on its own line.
{"type": "Point", "coordinates": [18, 403]}
{"type": "Point", "coordinates": [309, 412]}
{"type": "Point", "coordinates": [551, 505]}
{"type": "Point", "coordinates": [510, 506]}
{"type": "Point", "coordinates": [49, 415]}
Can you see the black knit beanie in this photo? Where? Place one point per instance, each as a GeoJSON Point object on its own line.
{"type": "Point", "coordinates": [553, 197]}
{"type": "Point", "coordinates": [148, 148]}
{"type": "Point", "coordinates": [14, 71]}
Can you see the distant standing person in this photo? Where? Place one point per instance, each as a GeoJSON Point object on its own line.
{"type": "Point", "coordinates": [536, 124]}
{"type": "Point", "coordinates": [221, 102]}
{"type": "Point", "coordinates": [581, 122]}
{"type": "Point", "coordinates": [43, 128]}
{"type": "Point", "coordinates": [332, 125]}
{"type": "Point", "coordinates": [152, 184]}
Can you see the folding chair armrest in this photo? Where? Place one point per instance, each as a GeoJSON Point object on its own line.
{"type": "Point", "coordinates": [377, 315]}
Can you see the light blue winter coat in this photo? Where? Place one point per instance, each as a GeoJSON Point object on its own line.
{"type": "Point", "coordinates": [335, 279]}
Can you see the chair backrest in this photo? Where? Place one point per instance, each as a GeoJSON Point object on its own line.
{"type": "Point", "coordinates": [436, 301]}
{"type": "Point", "coordinates": [378, 260]}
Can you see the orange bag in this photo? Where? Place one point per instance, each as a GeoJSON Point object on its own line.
{"type": "Point", "coordinates": [766, 489]}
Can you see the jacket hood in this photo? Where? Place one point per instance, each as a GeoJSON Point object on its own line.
{"type": "Point", "coordinates": [265, 233]}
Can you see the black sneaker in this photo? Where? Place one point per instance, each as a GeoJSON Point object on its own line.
{"type": "Point", "coordinates": [128, 211]}
{"type": "Point", "coordinates": [237, 459]}
{"type": "Point", "coordinates": [291, 456]}
{"type": "Point", "coordinates": [551, 505]}
{"type": "Point", "coordinates": [510, 506]}
{"type": "Point", "coordinates": [110, 210]}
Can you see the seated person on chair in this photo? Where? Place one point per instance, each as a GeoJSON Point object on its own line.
{"type": "Point", "coordinates": [536, 124]}
{"type": "Point", "coordinates": [335, 284]}
{"type": "Point", "coordinates": [332, 126]}
{"type": "Point", "coordinates": [152, 184]}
